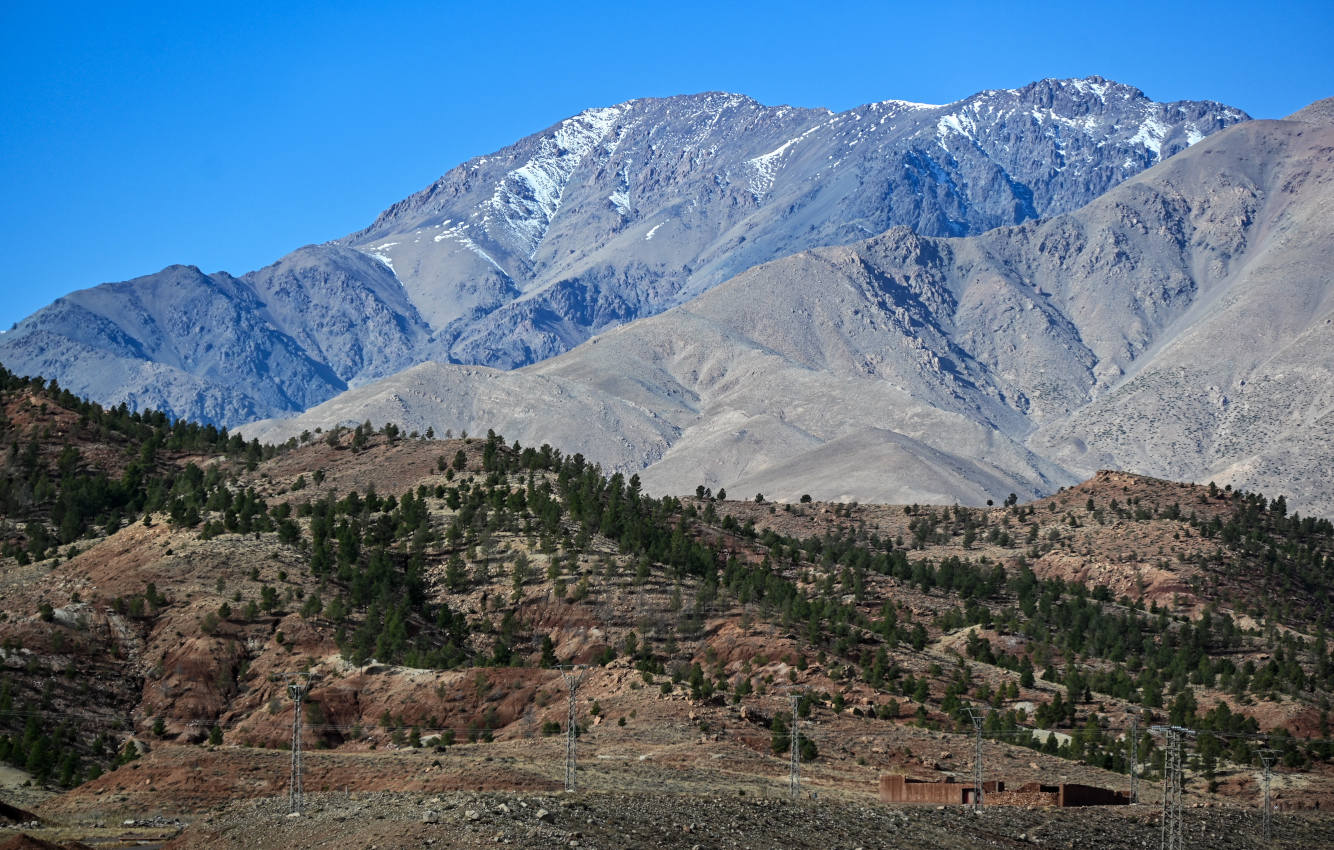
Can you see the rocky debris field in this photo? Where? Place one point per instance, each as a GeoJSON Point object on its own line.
{"type": "Point", "coordinates": [696, 822]}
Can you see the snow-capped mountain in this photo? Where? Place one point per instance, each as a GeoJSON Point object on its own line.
{"type": "Point", "coordinates": [620, 212]}
{"type": "Point", "coordinates": [609, 216]}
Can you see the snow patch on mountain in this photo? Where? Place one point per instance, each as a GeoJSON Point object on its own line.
{"type": "Point", "coordinates": [957, 123]}
{"type": "Point", "coordinates": [527, 198]}
{"type": "Point", "coordinates": [378, 252]}
{"type": "Point", "coordinates": [1098, 88]}
{"type": "Point", "coordinates": [458, 232]}
{"type": "Point", "coordinates": [1151, 134]}
{"type": "Point", "coordinates": [765, 167]}
{"type": "Point", "coordinates": [904, 105]}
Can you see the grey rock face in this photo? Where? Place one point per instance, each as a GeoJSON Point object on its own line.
{"type": "Point", "coordinates": [344, 309]}
{"type": "Point", "coordinates": [1178, 326]}
{"type": "Point", "coordinates": [612, 215]}
{"type": "Point", "coordinates": [618, 213]}
{"type": "Point", "coordinates": [224, 349]}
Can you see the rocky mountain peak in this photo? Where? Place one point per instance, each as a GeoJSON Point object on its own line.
{"type": "Point", "coordinates": [613, 214]}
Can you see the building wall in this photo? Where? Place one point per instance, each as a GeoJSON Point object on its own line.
{"type": "Point", "coordinates": [894, 788]}
{"type": "Point", "coordinates": [1022, 798]}
{"type": "Point", "coordinates": [897, 788]}
{"type": "Point", "coordinates": [1088, 795]}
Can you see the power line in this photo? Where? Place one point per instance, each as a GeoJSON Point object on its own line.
{"type": "Point", "coordinates": [1023, 732]}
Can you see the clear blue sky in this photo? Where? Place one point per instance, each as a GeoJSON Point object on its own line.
{"type": "Point", "coordinates": [135, 135]}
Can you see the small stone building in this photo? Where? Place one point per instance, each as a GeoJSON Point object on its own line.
{"type": "Point", "coordinates": [897, 788]}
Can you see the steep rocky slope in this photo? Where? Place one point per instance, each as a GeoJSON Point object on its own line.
{"type": "Point", "coordinates": [619, 212]}
{"type": "Point", "coordinates": [609, 216]}
{"type": "Point", "coordinates": [1177, 326]}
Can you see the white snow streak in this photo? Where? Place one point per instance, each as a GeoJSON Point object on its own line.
{"type": "Point", "coordinates": [1151, 134]}
{"type": "Point", "coordinates": [459, 233]}
{"type": "Point", "coordinates": [527, 198]}
{"type": "Point", "coordinates": [1085, 86]}
{"type": "Point", "coordinates": [958, 123]}
{"type": "Point", "coordinates": [649, 236]}
{"type": "Point", "coordinates": [907, 104]}
{"type": "Point", "coordinates": [764, 168]}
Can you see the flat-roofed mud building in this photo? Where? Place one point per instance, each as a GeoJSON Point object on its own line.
{"type": "Point", "coordinates": [897, 788]}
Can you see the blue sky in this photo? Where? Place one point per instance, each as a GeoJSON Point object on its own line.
{"type": "Point", "coordinates": [135, 135]}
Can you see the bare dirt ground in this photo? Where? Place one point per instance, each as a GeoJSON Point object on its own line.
{"type": "Point", "coordinates": [658, 782]}
{"type": "Point", "coordinates": [17, 789]}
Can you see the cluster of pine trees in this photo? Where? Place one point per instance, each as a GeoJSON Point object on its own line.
{"type": "Point", "coordinates": [57, 495]}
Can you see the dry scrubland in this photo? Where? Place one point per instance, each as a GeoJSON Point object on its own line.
{"type": "Point", "coordinates": [661, 763]}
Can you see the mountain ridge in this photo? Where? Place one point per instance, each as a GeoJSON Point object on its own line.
{"type": "Point", "coordinates": [1123, 335]}
{"type": "Point", "coordinates": [613, 214]}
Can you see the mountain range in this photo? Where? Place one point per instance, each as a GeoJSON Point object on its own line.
{"type": "Point", "coordinates": [1178, 325]}
{"type": "Point", "coordinates": [607, 217]}
{"type": "Point", "coordinates": [1057, 279]}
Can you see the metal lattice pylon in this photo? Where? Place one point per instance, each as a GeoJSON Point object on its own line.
{"type": "Point", "coordinates": [1267, 759]}
{"type": "Point", "coordinates": [297, 690]}
{"type": "Point", "coordinates": [1173, 780]}
{"type": "Point", "coordinates": [574, 676]}
{"type": "Point", "coordinates": [977, 760]}
{"type": "Point", "coordinates": [1134, 760]}
{"type": "Point", "coordinates": [794, 775]}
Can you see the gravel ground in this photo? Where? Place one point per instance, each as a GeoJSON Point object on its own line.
{"type": "Point", "coordinates": [695, 822]}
